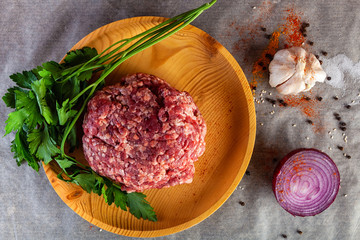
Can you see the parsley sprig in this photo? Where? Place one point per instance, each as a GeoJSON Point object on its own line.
{"type": "Point", "coordinates": [50, 99]}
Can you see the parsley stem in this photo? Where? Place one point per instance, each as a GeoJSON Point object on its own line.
{"type": "Point", "coordinates": [73, 159]}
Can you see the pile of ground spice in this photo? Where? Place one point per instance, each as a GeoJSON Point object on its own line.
{"type": "Point", "coordinates": [293, 29]}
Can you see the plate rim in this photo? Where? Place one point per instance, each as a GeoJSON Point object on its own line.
{"type": "Point", "coordinates": [246, 160]}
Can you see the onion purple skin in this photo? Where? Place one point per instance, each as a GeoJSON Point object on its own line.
{"type": "Point", "coordinates": [336, 183]}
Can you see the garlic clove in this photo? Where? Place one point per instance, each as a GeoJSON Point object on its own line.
{"type": "Point", "coordinates": [282, 67]}
{"type": "Point", "coordinates": [292, 86]}
{"type": "Point", "coordinates": [316, 74]}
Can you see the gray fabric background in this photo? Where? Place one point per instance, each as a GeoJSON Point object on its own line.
{"type": "Point", "coordinates": [32, 32]}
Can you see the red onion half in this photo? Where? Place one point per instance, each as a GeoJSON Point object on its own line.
{"type": "Point", "coordinates": [306, 182]}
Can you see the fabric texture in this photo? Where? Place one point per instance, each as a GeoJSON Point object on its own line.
{"type": "Point", "coordinates": [33, 32]}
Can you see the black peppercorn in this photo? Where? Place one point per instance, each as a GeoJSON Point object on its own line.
{"type": "Point", "coordinates": [340, 148]}
{"type": "Point", "coordinates": [342, 124]}
{"type": "Point", "coordinates": [282, 103]}
{"type": "Point", "coordinates": [309, 121]}
{"type": "Point", "coordinates": [324, 53]}
{"type": "Point", "coordinates": [272, 101]}
{"type": "Point", "coordinates": [269, 56]}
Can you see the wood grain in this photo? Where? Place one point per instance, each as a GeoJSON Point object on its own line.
{"type": "Point", "coordinates": [192, 61]}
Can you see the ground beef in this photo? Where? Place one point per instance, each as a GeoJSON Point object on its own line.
{"type": "Point", "coordinates": [143, 134]}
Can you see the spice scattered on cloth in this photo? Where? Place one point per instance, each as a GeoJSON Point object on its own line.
{"type": "Point", "coordinates": [260, 68]}
{"type": "Point", "coordinates": [251, 29]}
{"type": "Point", "coordinates": [309, 106]}
{"type": "Point", "coordinates": [294, 29]}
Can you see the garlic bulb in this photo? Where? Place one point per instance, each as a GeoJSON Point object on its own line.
{"type": "Point", "coordinates": [294, 70]}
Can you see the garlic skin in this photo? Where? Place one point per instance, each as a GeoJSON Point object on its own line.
{"type": "Point", "coordinates": [294, 70]}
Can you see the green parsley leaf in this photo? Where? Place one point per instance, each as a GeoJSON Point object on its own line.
{"type": "Point", "coordinates": [27, 112]}
{"type": "Point", "coordinates": [64, 112]}
{"type": "Point", "coordinates": [15, 121]}
{"type": "Point", "coordinates": [24, 79]}
{"type": "Point", "coordinates": [86, 181]}
{"type": "Point", "coordinates": [86, 75]}
{"type": "Point", "coordinates": [27, 102]}
{"type": "Point", "coordinates": [67, 90]}
{"type": "Point", "coordinates": [79, 56]}
{"type": "Point", "coordinates": [64, 163]}
{"type": "Point", "coordinates": [21, 150]}
{"type": "Point", "coordinates": [40, 89]}
{"type": "Point", "coordinates": [139, 207]}
{"type": "Point", "coordinates": [53, 68]}
{"type": "Point", "coordinates": [120, 198]}
{"type": "Point", "coordinates": [41, 144]}
{"type": "Point", "coordinates": [9, 98]}
{"type": "Point", "coordinates": [98, 184]}
{"type": "Point", "coordinates": [108, 194]}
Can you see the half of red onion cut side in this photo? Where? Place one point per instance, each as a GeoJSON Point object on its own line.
{"type": "Point", "coordinates": [306, 182]}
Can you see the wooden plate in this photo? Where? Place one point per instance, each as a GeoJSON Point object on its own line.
{"type": "Point", "coordinates": [192, 61]}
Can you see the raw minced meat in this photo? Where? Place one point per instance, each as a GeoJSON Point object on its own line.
{"type": "Point", "coordinates": [143, 134]}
